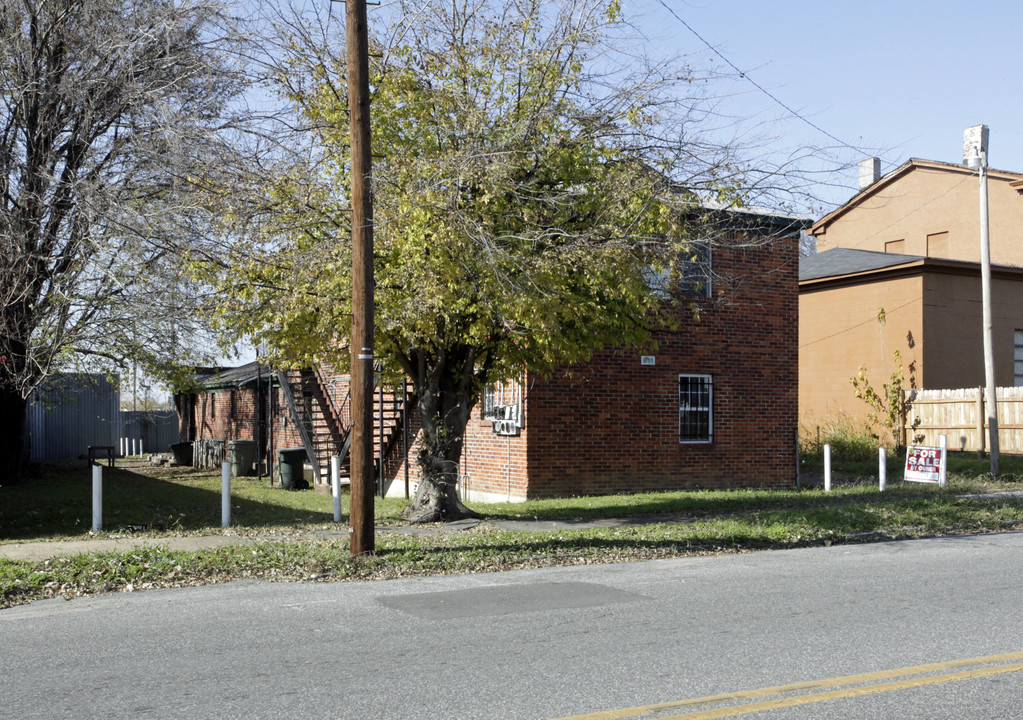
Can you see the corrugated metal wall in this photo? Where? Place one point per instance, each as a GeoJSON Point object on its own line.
{"type": "Point", "coordinates": [71, 412]}
{"type": "Point", "coordinates": [157, 428]}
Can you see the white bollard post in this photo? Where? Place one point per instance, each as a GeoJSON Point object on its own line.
{"type": "Point", "coordinates": [827, 468]}
{"type": "Point", "coordinates": [142, 450]}
{"type": "Point", "coordinates": [97, 497]}
{"type": "Point", "coordinates": [225, 494]}
{"type": "Point", "coordinates": [943, 444]}
{"type": "Point", "coordinates": [123, 452]}
{"type": "Point", "coordinates": [882, 469]}
{"type": "Point", "coordinates": [335, 485]}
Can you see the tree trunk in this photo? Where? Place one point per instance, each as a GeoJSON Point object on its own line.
{"type": "Point", "coordinates": [436, 498]}
{"type": "Point", "coordinates": [445, 402]}
{"type": "Point", "coordinates": [12, 435]}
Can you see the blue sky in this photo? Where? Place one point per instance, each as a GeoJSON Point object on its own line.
{"type": "Point", "coordinates": [895, 78]}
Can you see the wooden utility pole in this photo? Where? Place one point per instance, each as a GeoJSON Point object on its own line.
{"type": "Point", "coordinates": [361, 508]}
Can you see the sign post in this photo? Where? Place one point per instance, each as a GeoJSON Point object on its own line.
{"type": "Point", "coordinates": [926, 464]}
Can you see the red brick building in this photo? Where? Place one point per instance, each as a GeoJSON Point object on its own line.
{"type": "Point", "coordinates": [712, 404]}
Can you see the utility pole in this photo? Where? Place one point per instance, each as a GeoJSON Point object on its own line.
{"type": "Point", "coordinates": [361, 507]}
{"type": "Point", "coordinates": [975, 141]}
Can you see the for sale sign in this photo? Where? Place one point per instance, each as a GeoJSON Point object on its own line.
{"type": "Point", "coordinates": [926, 464]}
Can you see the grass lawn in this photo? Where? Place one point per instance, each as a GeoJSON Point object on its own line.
{"type": "Point", "coordinates": [56, 504]}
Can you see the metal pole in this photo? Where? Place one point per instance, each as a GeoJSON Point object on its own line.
{"type": "Point", "coordinates": [335, 485]}
{"type": "Point", "coordinates": [404, 429]}
{"type": "Point", "coordinates": [827, 468]}
{"type": "Point", "coordinates": [362, 541]}
{"type": "Point", "coordinates": [259, 417]}
{"type": "Point", "coordinates": [985, 289]}
{"type": "Point", "coordinates": [97, 497]}
{"type": "Point", "coordinates": [225, 494]}
{"type": "Point", "coordinates": [380, 420]}
{"type": "Point", "coordinates": [975, 144]}
{"type": "Point", "coordinates": [270, 418]}
{"type": "Point", "coordinates": [943, 473]}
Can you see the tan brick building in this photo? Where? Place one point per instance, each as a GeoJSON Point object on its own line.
{"type": "Point", "coordinates": [909, 243]}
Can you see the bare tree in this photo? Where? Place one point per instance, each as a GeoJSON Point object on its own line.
{"type": "Point", "coordinates": [113, 113]}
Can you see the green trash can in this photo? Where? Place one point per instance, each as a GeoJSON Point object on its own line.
{"type": "Point", "coordinates": [241, 454]}
{"type": "Point", "coordinates": [291, 462]}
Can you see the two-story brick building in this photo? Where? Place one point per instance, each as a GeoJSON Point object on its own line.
{"type": "Point", "coordinates": [711, 404]}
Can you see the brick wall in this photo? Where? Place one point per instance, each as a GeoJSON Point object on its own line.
{"type": "Point", "coordinates": [612, 425]}
{"type": "Point", "coordinates": [233, 415]}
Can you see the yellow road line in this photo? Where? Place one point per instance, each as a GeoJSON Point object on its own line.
{"type": "Point", "coordinates": [861, 679]}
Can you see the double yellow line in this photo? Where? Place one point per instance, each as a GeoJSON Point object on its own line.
{"type": "Point", "coordinates": [782, 696]}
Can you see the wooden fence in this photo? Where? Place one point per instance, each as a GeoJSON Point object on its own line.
{"type": "Point", "coordinates": [960, 415]}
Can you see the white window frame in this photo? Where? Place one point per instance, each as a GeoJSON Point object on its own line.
{"type": "Point", "coordinates": [686, 406]}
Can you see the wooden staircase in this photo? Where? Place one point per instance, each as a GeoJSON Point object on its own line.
{"type": "Point", "coordinates": [321, 411]}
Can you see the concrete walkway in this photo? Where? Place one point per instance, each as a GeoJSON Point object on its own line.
{"type": "Point", "coordinates": [43, 550]}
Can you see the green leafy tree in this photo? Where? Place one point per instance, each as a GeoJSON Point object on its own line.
{"type": "Point", "coordinates": [532, 176]}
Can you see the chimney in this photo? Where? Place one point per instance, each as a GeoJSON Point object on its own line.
{"type": "Point", "coordinates": [870, 172]}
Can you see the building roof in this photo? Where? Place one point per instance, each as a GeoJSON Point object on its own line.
{"type": "Point", "coordinates": [910, 165]}
{"type": "Point", "coordinates": [226, 378]}
{"type": "Point", "coordinates": [847, 261]}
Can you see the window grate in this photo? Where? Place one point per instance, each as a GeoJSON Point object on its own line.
{"type": "Point", "coordinates": [695, 415]}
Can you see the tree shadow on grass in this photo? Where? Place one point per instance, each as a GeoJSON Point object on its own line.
{"type": "Point", "coordinates": [136, 498]}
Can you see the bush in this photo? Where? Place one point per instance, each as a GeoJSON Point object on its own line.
{"type": "Point", "coordinates": [848, 441]}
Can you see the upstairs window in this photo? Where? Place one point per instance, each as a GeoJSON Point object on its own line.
{"type": "Point", "coordinates": [695, 414]}
{"type": "Point", "coordinates": [690, 274]}
{"type": "Point", "coordinates": [489, 404]}
{"type": "Point", "coordinates": [695, 270]}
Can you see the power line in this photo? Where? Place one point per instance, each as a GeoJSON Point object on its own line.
{"type": "Point", "coordinates": [745, 76]}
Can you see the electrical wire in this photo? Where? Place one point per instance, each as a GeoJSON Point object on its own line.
{"type": "Point", "coordinates": [745, 76]}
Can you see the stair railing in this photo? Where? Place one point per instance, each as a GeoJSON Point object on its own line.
{"type": "Point", "coordinates": [303, 431]}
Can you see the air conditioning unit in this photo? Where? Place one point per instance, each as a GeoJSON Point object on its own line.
{"type": "Point", "coordinates": [505, 427]}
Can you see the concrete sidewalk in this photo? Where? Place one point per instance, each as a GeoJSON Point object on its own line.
{"type": "Point", "coordinates": [44, 550]}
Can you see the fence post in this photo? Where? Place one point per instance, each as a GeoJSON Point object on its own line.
{"type": "Point", "coordinates": [980, 423]}
{"type": "Point", "coordinates": [903, 418]}
{"type": "Point", "coordinates": [225, 494]}
{"type": "Point", "coordinates": [827, 468]}
{"type": "Point", "coordinates": [97, 497]}
{"type": "Point", "coordinates": [882, 469]}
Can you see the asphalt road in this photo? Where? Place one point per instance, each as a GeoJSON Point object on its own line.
{"type": "Point", "coordinates": [550, 643]}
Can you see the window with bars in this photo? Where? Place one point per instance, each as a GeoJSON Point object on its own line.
{"type": "Point", "coordinates": [695, 415]}
{"type": "Point", "coordinates": [489, 403]}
